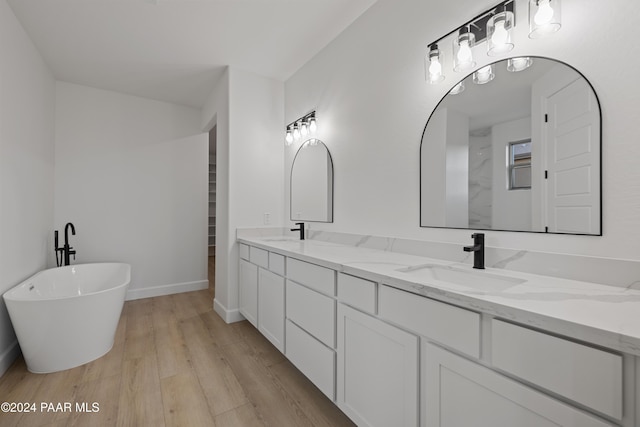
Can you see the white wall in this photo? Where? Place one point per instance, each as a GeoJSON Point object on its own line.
{"type": "Point", "coordinates": [132, 176]}
{"type": "Point", "coordinates": [250, 164]}
{"type": "Point", "coordinates": [511, 209]}
{"type": "Point", "coordinates": [372, 102]}
{"type": "Point", "coordinates": [457, 167]}
{"type": "Point", "coordinates": [27, 97]}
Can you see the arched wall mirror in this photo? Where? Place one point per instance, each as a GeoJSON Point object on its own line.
{"type": "Point", "coordinates": [312, 183]}
{"type": "Point", "coordinates": [520, 152]}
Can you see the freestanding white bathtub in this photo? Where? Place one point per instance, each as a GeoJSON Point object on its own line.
{"type": "Point", "coordinates": [67, 316]}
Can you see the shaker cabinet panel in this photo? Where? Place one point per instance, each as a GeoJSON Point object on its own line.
{"type": "Point", "coordinates": [321, 279]}
{"type": "Point", "coordinates": [271, 307]}
{"type": "Point", "coordinates": [459, 393]}
{"type": "Point", "coordinates": [244, 251]}
{"type": "Point", "coordinates": [312, 358]}
{"type": "Point", "coordinates": [452, 326]}
{"type": "Point", "coordinates": [312, 311]}
{"type": "Point", "coordinates": [377, 371]}
{"type": "Point", "coordinates": [259, 256]}
{"type": "Point", "coordinates": [581, 373]}
{"type": "Point", "coordinates": [276, 263]}
{"type": "Point", "coordinates": [248, 291]}
{"type": "Point", "coordinates": [357, 292]}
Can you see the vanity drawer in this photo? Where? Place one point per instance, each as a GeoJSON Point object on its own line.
{"type": "Point", "coordinates": [312, 311]}
{"type": "Point", "coordinates": [312, 358]}
{"type": "Point", "coordinates": [244, 251]}
{"type": "Point", "coordinates": [319, 278]}
{"type": "Point", "coordinates": [259, 256]}
{"type": "Point", "coordinates": [581, 373]}
{"type": "Point", "coordinates": [449, 325]}
{"type": "Point", "coordinates": [357, 292]}
{"type": "Point", "coordinates": [276, 263]}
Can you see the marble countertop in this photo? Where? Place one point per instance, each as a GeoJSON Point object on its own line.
{"type": "Point", "coordinates": [604, 315]}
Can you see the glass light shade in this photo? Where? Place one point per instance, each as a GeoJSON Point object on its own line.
{"type": "Point", "coordinates": [459, 88]}
{"type": "Point", "coordinates": [304, 130]}
{"type": "Point", "coordinates": [483, 75]}
{"type": "Point", "coordinates": [435, 67]}
{"type": "Point", "coordinates": [462, 55]}
{"type": "Point", "coordinates": [519, 64]}
{"type": "Point", "coordinates": [499, 28]}
{"type": "Point", "coordinates": [296, 132]}
{"type": "Point", "coordinates": [289, 137]}
{"type": "Point", "coordinates": [544, 18]}
{"type": "Point", "coordinates": [313, 127]}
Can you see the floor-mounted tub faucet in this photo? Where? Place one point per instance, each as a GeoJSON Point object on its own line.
{"type": "Point", "coordinates": [66, 250]}
{"type": "Point", "coordinates": [477, 249]}
{"type": "Point", "coordinates": [300, 229]}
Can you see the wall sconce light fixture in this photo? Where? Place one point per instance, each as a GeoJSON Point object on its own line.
{"type": "Point", "coordinates": [495, 26]}
{"type": "Point", "coordinates": [301, 128]}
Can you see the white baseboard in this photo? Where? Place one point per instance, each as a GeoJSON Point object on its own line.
{"type": "Point", "coordinates": [229, 316]}
{"type": "Point", "coordinates": [9, 356]}
{"type": "Point", "coordinates": [157, 291]}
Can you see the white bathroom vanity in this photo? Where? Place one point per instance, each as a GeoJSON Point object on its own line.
{"type": "Point", "coordinates": [405, 340]}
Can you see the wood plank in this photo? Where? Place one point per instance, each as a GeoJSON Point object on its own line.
{"type": "Point", "coordinates": [171, 348]}
{"type": "Point", "coordinates": [264, 350]}
{"type": "Point", "coordinates": [220, 332]}
{"type": "Point", "coordinates": [273, 405]}
{"type": "Point", "coordinates": [101, 391]}
{"type": "Point", "coordinates": [317, 407]}
{"type": "Point", "coordinates": [244, 416]}
{"type": "Point", "coordinates": [55, 389]}
{"type": "Point", "coordinates": [140, 400]}
{"type": "Point", "coordinates": [184, 401]}
{"type": "Point", "coordinates": [219, 383]}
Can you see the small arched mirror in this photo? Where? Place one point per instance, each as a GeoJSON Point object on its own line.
{"type": "Point", "coordinates": [312, 183]}
{"type": "Point", "coordinates": [515, 147]}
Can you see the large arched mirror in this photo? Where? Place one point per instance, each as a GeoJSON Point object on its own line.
{"type": "Point", "coordinates": [312, 183]}
{"type": "Point", "coordinates": [517, 148]}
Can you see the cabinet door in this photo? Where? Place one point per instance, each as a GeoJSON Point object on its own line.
{"type": "Point", "coordinates": [377, 371]}
{"type": "Point", "coordinates": [459, 393]}
{"type": "Point", "coordinates": [248, 291]}
{"type": "Point", "coordinates": [271, 307]}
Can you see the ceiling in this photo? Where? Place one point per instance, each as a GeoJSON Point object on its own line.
{"type": "Point", "coordinates": [176, 50]}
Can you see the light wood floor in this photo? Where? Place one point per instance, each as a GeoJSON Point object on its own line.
{"type": "Point", "coordinates": [176, 363]}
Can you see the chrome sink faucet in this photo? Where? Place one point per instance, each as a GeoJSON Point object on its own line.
{"type": "Point", "coordinates": [477, 249]}
{"type": "Point", "coordinates": [300, 229]}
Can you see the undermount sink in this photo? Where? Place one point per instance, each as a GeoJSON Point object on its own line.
{"type": "Point", "coordinates": [470, 279]}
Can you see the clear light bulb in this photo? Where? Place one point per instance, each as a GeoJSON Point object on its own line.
{"type": "Point", "coordinates": [296, 133]}
{"type": "Point", "coordinates": [500, 34]}
{"type": "Point", "coordinates": [544, 15]}
{"type": "Point", "coordinates": [435, 70]}
{"type": "Point", "coordinates": [313, 127]}
{"type": "Point", "coordinates": [464, 54]}
{"type": "Point", "coordinates": [304, 130]}
{"type": "Point", "coordinates": [289, 137]}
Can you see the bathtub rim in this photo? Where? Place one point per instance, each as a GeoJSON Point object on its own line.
{"type": "Point", "coordinates": [8, 297]}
